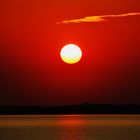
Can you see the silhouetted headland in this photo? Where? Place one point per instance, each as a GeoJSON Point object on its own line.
{"type": "Point", "coordinates": [85, 108]}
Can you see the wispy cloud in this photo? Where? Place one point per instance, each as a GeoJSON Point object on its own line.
{"type": "Point", "coordinates": [99, 18]}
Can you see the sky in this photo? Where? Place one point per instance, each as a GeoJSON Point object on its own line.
{"type": "Point", "coordinates": [33, 33]}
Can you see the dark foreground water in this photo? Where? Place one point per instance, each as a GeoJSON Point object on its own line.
{"type": "Point", "coordinates": [70, 127]}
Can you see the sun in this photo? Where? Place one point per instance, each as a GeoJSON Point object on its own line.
{"type": "Point", "coordinates": [71, 54]}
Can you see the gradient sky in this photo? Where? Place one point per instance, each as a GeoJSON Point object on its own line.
{"type": "Point", "coordinates": [33, 33]}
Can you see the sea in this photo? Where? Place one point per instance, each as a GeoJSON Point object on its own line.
{"type": "Point", "coordinates": [70, 127]}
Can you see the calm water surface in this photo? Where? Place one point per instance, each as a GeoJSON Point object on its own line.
{"type": "Point", "coordinates": [70, 127]}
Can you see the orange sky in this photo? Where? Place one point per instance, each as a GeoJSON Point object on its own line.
{"type": "Point", "coordinates": [32, 71]}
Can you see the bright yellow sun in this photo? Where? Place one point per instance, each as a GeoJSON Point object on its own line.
{"type": "Point", "coordinates": [71, 54]}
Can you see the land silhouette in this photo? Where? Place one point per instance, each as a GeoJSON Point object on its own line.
{"type": "Point", "coordinates": [85, 108]}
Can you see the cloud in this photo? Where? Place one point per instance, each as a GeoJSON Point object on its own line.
{"type": "Point", "coordinates": [99, 18]}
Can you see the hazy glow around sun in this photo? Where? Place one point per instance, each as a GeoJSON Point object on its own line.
{"type": "Point", "coordinates": [71, 54]}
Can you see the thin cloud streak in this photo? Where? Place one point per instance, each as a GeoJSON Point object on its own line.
{"type": "Point", "coordinates": [99, 18]}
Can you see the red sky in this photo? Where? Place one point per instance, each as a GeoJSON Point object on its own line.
{"type": "Point", "coordinates": [31, 71]}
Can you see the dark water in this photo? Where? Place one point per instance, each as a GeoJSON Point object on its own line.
{"type": "Point", "coordinates": [70, 127]}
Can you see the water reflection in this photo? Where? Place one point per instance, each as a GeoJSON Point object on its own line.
{"type": "Point", "coordinates": [70, 127]}
{"type": "Point", "coordinates": [72, 120]}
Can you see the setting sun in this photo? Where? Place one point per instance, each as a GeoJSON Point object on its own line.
{"type": "Point", "coordinates": [71, 54]}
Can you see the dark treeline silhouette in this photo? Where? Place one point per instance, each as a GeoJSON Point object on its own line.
{"type": "Point", "coordinates": [85, 108]}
